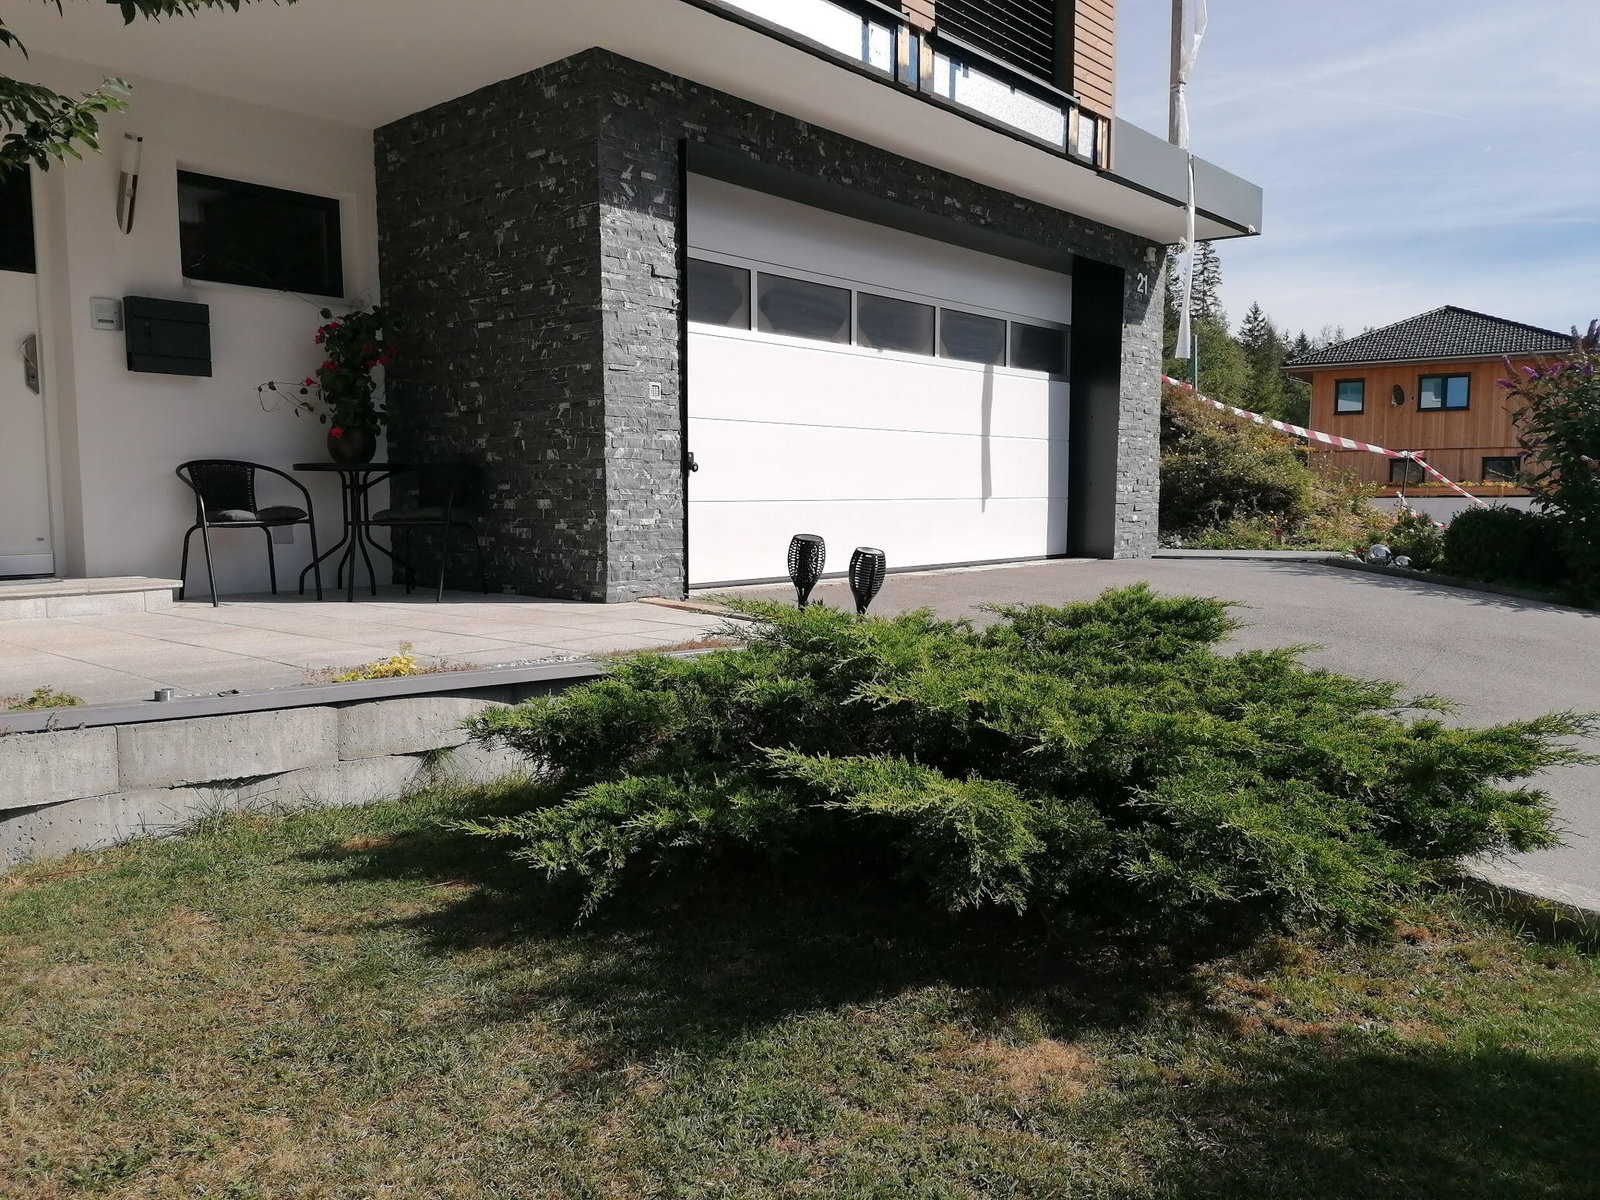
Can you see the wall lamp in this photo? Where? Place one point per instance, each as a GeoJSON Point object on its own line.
{"type": "Point", "coordinates": [128, 182]}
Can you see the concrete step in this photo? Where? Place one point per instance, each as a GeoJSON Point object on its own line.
{"type": "Point", "coordinates": [30, 599]}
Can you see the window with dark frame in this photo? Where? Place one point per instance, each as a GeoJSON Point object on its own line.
{"type": "Point", "coordinates": [256, 236]}
{"type": "Point", "coordinates": [718, 294]}
{"type": "Point", "coordinates": [1444, 393]}
{"type": "Point", "coordinates": [887, 323]}
{"type": "Point", "coordinates": [800, 308]}
{"type": "Point", "coordinates": [1403, 472]}
{"type": "Point", "coordinates": [1349, 396]}
{"type": "Point", "coordinates": [968, 337]}
{"type": "Point", "coordinates": [1039, 348]}
{"type": "Point", "coordinates": [16, 222]}
{"type": "Point", "coordinates": [1502, 468]}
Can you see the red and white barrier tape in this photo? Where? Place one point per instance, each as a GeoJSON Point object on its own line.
{"type": "Point", "coordinates": [1326, 439]}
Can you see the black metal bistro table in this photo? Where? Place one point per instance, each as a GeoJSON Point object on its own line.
{"type": "Point", "coordinates": [356, 481]}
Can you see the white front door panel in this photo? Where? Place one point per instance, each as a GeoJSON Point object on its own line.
{"type": "Point", "coordinates": [25, 547]}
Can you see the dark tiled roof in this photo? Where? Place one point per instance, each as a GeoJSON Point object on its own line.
{"type": "Point", "coordinates": [1444, 333]}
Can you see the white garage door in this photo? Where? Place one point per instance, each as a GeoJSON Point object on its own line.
{"type": "Point", "coordinates": [868, 385]}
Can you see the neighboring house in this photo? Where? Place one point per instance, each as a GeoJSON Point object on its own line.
{"type": "Point", "coordinates": [687, 276]}
{"type": "Point", "coordinates": [1431, 384]}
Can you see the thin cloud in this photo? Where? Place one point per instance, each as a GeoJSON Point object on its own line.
{"type": "Point", "coordinates": [1412, 154]}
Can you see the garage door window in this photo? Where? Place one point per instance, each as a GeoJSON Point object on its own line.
{"type": "Point", "coordinates": [968, 337]}
{"type": "Point", "coordinates": [719, 294]}
{"type": "Point", "coordinates": [800, 308]}
{"type": "Point", "coordinates": [1038, 348]}
{"type": "Point", "coordinates": [884, 323]}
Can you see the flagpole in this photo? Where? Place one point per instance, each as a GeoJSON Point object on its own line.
{"type": "Point", "coordinates": [1185, 49]}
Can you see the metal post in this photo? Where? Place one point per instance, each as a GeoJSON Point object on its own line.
{"type": "Point", "coordinates": [1174, 133]}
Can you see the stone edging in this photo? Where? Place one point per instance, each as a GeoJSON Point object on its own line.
{"type": "Point", "coordinates": [1454, 581]}
{"type": "Point", "coordinates": [1552, 907]}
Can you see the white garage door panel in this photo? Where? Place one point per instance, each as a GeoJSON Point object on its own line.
{"type": "Point", "coordinates": [742, 461]}
{"type": "Point", "coordinates": [931, 460]}
{"type": "Point", "coordinates": [756, 377]}
{"type": "Point", "coordinates": [735, 542]}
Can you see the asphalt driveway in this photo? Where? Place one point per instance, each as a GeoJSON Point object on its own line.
{"type": "Point", "coordinates": [1500, 659]}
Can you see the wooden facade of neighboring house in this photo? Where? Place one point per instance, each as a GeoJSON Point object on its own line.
{"type": "Point", "coordinates": [1429, 384]}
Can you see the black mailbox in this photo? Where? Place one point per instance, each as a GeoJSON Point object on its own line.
{"type": "Point", "coordinates": [168, 337]}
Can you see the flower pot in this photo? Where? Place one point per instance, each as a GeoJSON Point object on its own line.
{"type": "Point", "coordinates": [351, 445]}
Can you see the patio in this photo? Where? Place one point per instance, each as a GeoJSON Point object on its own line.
{"type": "Point", "coordinates": [256, 643]}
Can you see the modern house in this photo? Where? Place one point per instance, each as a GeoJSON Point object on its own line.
{"type": "Point", "coordinates": [1429, 384]}
{"type": "Point", "coordinates": [685, 276]}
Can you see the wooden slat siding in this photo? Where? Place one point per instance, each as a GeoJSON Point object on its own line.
{"type": "Point", "coordinates": [919, 12]}
{"type": "Point", "coordinates": [1094, 76]}
{"type": "Point", "coordinates": [1456, 442]}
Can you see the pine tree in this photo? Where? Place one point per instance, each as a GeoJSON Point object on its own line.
{"type": "Point", "coordinates": [1296, 392]}
{"type": "Point", "coordinates": [1208, 285]}
{"type": "Point", "coordinates": [1264, 351]}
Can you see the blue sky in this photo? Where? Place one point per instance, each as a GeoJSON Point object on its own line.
{"type": "Point", "coordinates": [1414, 152]}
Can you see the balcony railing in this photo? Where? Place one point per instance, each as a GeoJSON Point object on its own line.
{"type": "Point", "coordinates": [941, 69]}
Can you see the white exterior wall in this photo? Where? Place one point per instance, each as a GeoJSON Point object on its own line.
{"type": "Point", "coordinates": [116, 435]}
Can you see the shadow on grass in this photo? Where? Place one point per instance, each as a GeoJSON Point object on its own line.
{"type": "Point", "coordinates": [694, 959]}
{"type": "Point", "coordinates": [1338, 1121]}
{"type": "Point", "coordinates": [692, 967]}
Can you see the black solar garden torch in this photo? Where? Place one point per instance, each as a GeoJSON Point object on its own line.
{"type": "Point", "coordinates": [867, 569]}
{"type": "Point", "coordinates": [807, 553]}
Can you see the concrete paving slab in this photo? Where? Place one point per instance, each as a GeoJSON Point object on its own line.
{"type": "Point", "coordinates": [273, 642]}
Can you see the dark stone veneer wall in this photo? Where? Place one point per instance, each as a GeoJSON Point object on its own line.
{"type": "Point", "coordinates": [529, 242]}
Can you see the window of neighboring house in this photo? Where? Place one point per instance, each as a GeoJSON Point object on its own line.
{"type": "Point", "coordinates": [16, 222]}
{"type": "Point", "coordinates": [1502, 469]}
{"type": "Point", "coordinates": [1404, 472]}
{"type": "Point", "coordinates": [718, 294]}
{"type": "Point", "coordinates": [232, 232]}
{"type": "Point", "coordinates": [1039, 348]}
{"type": "Point", "coordinates": [1439, 393]}
{"type": "Point", "coordinates": [1350, 396]}
{"type": "Point", "coordinates": [884, 323]}
{"type": "Point", "coordinates": [968, 337]}
{"type": "Point", "coordinates": [800, 308]}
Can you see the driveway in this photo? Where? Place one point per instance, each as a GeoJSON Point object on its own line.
{"type": "Point", "coordinates": [1500, 659]}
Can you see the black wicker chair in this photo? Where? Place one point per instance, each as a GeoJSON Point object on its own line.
{"type": "Point", "coordinates": [445, 495]}
{"type": "Point", "coordinates": [225, 498]}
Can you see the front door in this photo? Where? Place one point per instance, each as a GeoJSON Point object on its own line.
{"type": "Point", "coordinates": [25, 547]}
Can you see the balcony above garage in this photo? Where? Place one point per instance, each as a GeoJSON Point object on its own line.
{"type": "Point", "coordinates": [859, 67]}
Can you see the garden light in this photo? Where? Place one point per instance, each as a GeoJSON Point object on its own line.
{"type": "Point", "coordinates": [807, 553]}
{"type": "Point", "coordinates": [867, 569]}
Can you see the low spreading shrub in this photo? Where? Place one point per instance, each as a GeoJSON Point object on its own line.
{"type": "Point", "coordinates": [1507, 545]}
{"type": "Point", "coordinates": [1418, 537]}
{"type": "Point", "coordinates": [1229, 484]}
{"type": "Point", "coordinates": [1101, 762]}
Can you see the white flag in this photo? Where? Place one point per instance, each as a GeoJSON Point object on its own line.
{"type": "Point", "coordinates": [1192, 37]}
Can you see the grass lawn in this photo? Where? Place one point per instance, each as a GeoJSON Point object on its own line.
{"type": "Point", "coordinates": [358, 1003]}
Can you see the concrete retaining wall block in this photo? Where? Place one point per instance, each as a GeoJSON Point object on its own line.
{"type": "Point", "coordinates": [409, 726]}
{"type": "Point", "coordinates": [242, 746]}
{"type": "Point", "coordinates": [40, 768]}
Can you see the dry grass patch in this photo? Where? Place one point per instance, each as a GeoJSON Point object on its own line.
{"type": "Point", "coordinates": [360, 1003]}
